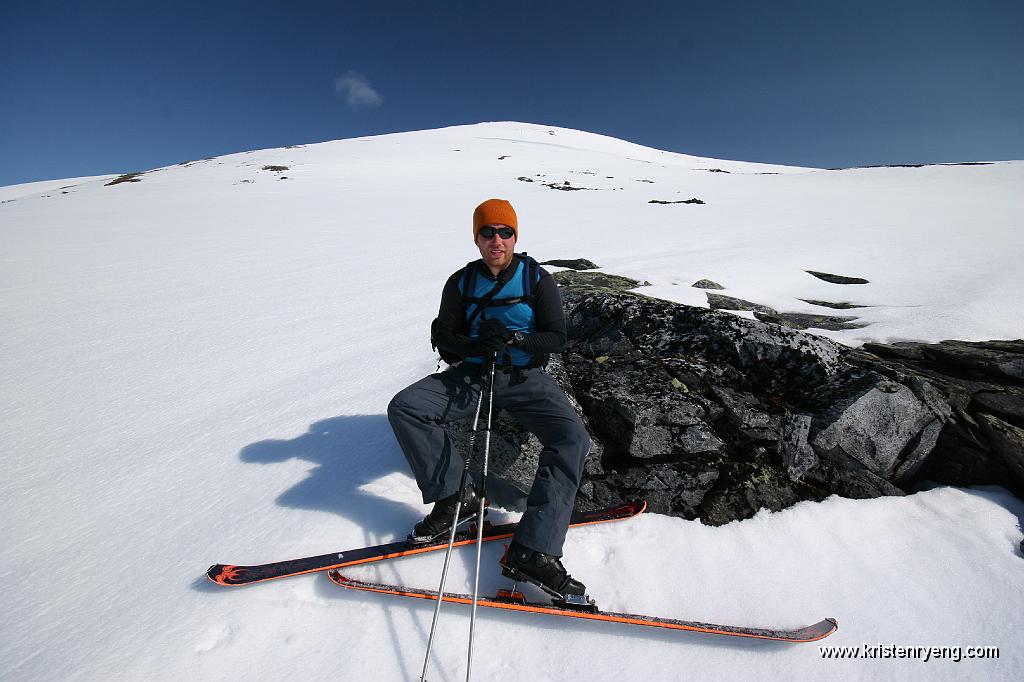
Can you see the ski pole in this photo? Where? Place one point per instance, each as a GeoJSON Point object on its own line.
{"type": "Point", "coordinates": [451, 533]}
{"type": "Point", "coordinates": [480, 526]}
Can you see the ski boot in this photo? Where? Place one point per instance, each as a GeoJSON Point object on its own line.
{"type": "Point", "coordinates": [438, 523]}
{"type": "Point", "coordinates": [523, 564]}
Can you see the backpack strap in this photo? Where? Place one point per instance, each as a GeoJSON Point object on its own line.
{"type": "Point", "coordinates": [487, 299]}
{"type": "Point", "coordinates": [511, 300]}
{"type": "Point", "coordinates": [468, 281]}
{"type": "Point", "coordinates": [531, 277]}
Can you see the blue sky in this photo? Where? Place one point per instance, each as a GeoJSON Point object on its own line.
{"type": "Point", "coordinates": [104, 87]}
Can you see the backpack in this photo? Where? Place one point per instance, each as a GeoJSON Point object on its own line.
{"type": "Point", "coordinates": [531, 277]}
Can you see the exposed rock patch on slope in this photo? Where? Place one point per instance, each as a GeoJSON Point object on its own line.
{"type": "Point", "coordinates": [837, 279]}
{"type": "Point", "coordinates": [792, 320]}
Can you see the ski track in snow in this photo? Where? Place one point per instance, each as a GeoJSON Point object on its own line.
{"type": "Point", "coordinates": [196, 366]}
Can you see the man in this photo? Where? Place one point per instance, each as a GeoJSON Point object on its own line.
{"type": "Point", "coordinates": [522, 332]}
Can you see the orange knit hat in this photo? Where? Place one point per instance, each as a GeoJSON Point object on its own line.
{"type": "Point", "coordinates": [495, 211]}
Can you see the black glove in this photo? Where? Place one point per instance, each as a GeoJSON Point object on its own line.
{"type": "Point", "coordinates": [492, 337]}
{"type": "Point", "coordinates": [493, 328]}
{"type": "Point", "coordinates": [484, 347]}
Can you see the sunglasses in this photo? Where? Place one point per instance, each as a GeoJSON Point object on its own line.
{"type": "Point", "coordinates": [503, 232]}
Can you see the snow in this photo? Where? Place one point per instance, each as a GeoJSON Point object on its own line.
{"type": "Point", "coordinates": [43, 187]}
{"type": "Point", "coordinates": [195, 368]}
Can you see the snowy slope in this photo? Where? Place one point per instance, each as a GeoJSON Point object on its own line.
{"type": "Point", "coordinates": [195, 368]}
{"type": "Point", "coordinates": [42, 187]}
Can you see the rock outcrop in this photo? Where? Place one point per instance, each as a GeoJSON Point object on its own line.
{"type": "Point", "coordinates": [712, 416]}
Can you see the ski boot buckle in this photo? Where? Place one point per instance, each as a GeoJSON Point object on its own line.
{"type": "Point", "coordinates": [577, 602]}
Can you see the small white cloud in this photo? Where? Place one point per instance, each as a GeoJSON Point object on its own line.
{"type": "Point", "coordinates": [357, 91]}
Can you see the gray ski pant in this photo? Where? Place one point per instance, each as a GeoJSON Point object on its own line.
{"type": "Point", "coordinates": [417, 414]}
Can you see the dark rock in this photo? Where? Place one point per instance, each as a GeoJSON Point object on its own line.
{"type": "Point", "coordinates": [904, 350]}
{"type": "Point", "coordinates": [676, 488]}
{"type": "Point", "coordinates": [809, 321]}
{"type": "Point", "coordinates": [576, 264]}
{"type": "Point", "coordinates": [1007, 404]}
{"type": "Point", "coordinates": [566, 187]}
{"type": "Point", "coordinates": [722, 302]}
{"type": "Point", "coordinates": [637, 412]}
{"type": "Point", "coordinates": [836, 279]}
{"type": "Point", "coordinates": [797, 455]}
{"type": "Point", "coordinates": [127, 177]}
{"type": "Point", "coordinates": [841, 305]}
{"type": "Point", "coordinates": [706, 284]}
{"type": "Point", "coordinates": [748, 416]}
{"type": "Point", "coordinates": [688, 201]}
{"type": "Point", "coordinates": [848, 479]}
{"type": "Point", "coordinates": [961, 459]}
{"type": "Point", "coordinates": [596, 280]}
{"type": "Point", "coordinates": [1001, 364]}
{"type": "Point", "coordinates": [709, 415]}
{"type": "Point", "coordinates": [1005, 346]}
{"type": "Point", "coordinates": [1007, 443]}
{"type": "Point", "coordinates": [750, 488]}
{"type": "Point", "coordinates": [886, 428]}
{"type": "Point", "coordinates": [965, 384]}
{"type": "Point", "coordinates": [780, 358]}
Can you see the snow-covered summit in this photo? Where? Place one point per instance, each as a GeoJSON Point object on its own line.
{"type": "Point", "coordinates": [937, 244]}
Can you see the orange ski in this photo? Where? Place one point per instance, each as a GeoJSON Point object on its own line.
{"type": "Point", "coordinates": [229, 574]}
{"type": "Point", "coordinates": [515, 601]}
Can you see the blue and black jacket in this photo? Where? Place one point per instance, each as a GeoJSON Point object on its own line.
{"type": "Point", "coordinates": [535, 309]}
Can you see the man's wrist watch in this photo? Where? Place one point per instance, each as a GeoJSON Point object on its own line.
{"type": "Point", "coordinates": [517, 338]}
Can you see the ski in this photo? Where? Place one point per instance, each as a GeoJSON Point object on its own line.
{"type": "Point", "coordinates": [229, 574]}
{"type": "Point", "coordinates": [515, 601]}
